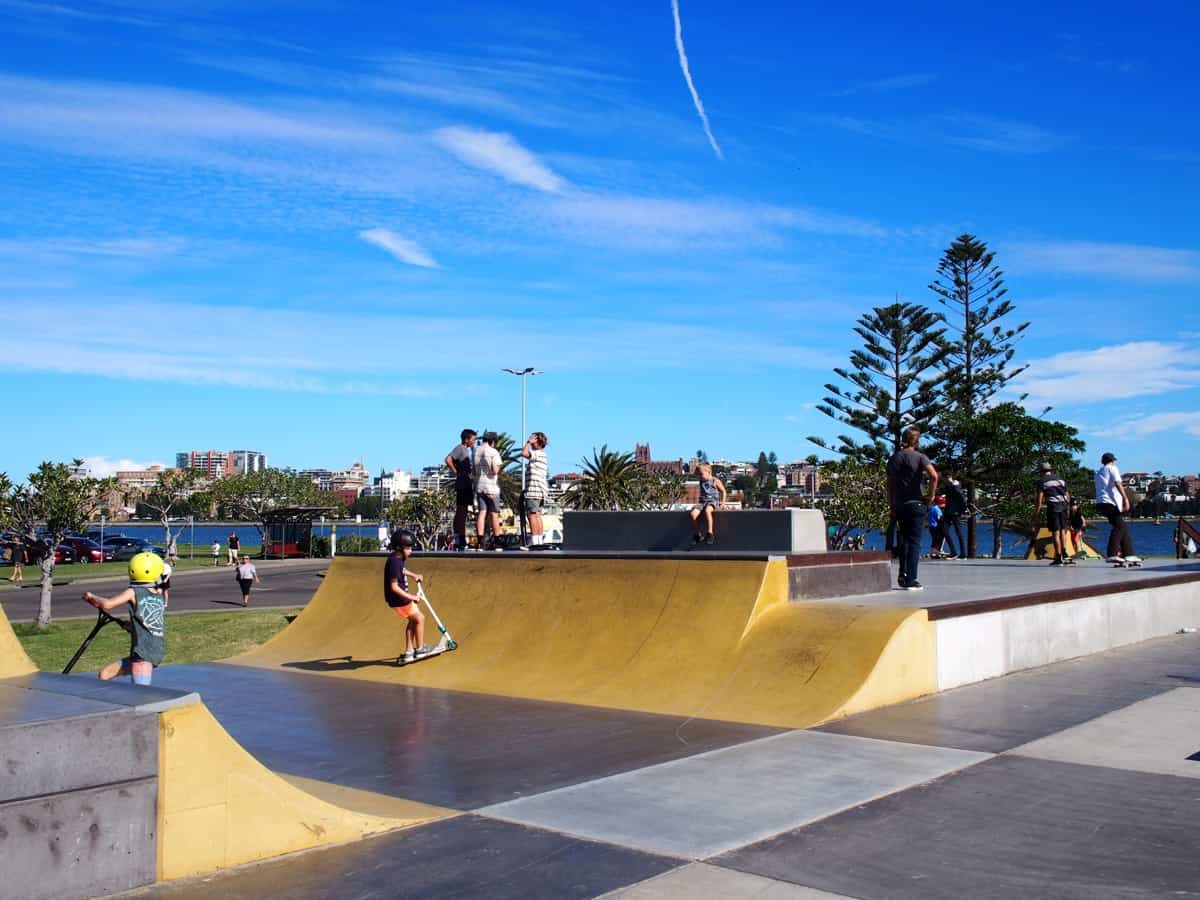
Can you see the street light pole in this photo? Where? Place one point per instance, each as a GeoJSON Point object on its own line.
{"type": "Point", "coordinates": [524, 374]}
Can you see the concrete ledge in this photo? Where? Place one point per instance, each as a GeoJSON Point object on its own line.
{"type": "Point", "coordinates": [762, 530]}
{"type": "Point", "coordinates": [993, 638]}
{"type": "Point", "coordinates": [83, 843]}
{"type": "Point", "coordinates": [838, 575]}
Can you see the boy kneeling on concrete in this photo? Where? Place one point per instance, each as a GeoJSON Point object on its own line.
{"type": "Point", "coordinates": [395, 592]}
{"type": "Point", "coordinates": [146, 633]}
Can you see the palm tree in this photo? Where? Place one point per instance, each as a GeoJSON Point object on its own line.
{"type": "Point", "coordinates": [611, 480]}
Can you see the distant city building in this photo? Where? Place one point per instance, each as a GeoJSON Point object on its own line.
{"type": "Point", "coordinates": [641, 454]}
{"type": "Point", "coordinates": [140, 479]}
{"type": "Point", "coordinates": [322, 478]}
{"type": "Point", "coordinates": [433, 478]}
{"type": "Point", "coordinates": [213, 463]}
{"type": "Point", "coordinates": [391, 486]}
{"type": "Point", "coordinates": [350, 483]}
{"type": "Point", "coordinates": [242, 461]}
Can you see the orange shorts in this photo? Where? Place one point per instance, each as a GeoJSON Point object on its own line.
{"type": "Point", "coordinates": [405, 611]}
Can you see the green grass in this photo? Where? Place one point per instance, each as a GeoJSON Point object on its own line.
{"type": "Point", "coordinates": [191, 637]}
{"type": "Point", "coordinates": [76, 571]}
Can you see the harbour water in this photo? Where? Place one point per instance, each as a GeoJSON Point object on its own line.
{"type": "Point", "coordinates": [1148, 539]}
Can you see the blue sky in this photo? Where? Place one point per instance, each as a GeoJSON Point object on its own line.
{"type": "Point", "coordinates": [319, 230]}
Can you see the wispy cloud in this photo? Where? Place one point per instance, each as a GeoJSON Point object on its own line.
{"type": "Point", "coordinates": [296, 358]}
{"type": "Point", "coordinates": [964, 130]}
{"type": "Point", "coordinates": [670, 223]}
{"type": "Point", "coordinates": [501, 154]}
{"type": "Point", "coordinates": [1119, 372]}
{"type": "Point", "coordinates": [1129, 261]}
{"type": "Point", "coordinates": [403, 249]}
{"type": "Point", "coordinates": [118, 248]}
{"type": "Point", "coordinates": [687, 76]}
{"type": "Point", "coordinates": [883, 85]}
{"type": "Point", "coordinates": [1155, 423]}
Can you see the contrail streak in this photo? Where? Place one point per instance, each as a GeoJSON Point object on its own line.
{"type": "Point", "coordinates": [687, 76]}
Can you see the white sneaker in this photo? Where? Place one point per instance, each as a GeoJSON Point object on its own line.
{"type": "Point", "coordinates": [408, 657]}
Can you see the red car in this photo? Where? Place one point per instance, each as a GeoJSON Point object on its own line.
{"type": "Point", "coordinates": [85, 550]}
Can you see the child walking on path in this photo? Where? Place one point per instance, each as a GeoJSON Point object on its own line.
{"type": "Point", "coordinates": [404, 603]}
{"type": "Point", "coordinates": [216, 553]}
{"type": "Point", "coordinates": [712, 498]}
{"type": "Point", "coordinates": [147, 634]}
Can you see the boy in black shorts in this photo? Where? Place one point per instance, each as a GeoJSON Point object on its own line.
{"type": "Point", "coordinates": [1053, 494]}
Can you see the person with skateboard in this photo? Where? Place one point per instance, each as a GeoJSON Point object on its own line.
{"type": "Point", "coordinates": [908, 500]}
{"type": "Point", "coordinates": [712, 498]}
{"type": "Point", "coordinates": [460, 461]}
{"type": "Point", "coordinates": [1112, 500]}
{"type": "Point", "coordinates": [487, 490]}
{"type": "Point", "coordinates": [405, 604]}
{"type": "Point", "coordinates": [147, 633]}
{"type": "Point", "coordinates": [956, 506]}
{"type": "Point", "coordinates": [1053, 494]}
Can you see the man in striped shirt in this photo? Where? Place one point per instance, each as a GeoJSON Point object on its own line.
{"type": "Point", "coordinates": [537, 489]}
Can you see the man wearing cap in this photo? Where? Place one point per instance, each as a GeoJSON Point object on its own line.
{"type": "Point", "coordinates": [1053, 494]}
{"type": "Point", "coordinates": [1111, 500]}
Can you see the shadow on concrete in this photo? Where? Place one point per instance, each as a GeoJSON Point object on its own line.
{"type": "Point", "coordinates": [340, 664]}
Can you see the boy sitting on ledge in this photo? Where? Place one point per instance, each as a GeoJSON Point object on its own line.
{"type": "Point", "coordinates": [712, 497]}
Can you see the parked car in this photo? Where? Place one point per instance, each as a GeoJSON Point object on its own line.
{"type": "Point", "coordinates": [127, 552]}
{"type": "Point", "coordinates": [117, 541]}
{"type": "Point", "coordinates": [87, 551]}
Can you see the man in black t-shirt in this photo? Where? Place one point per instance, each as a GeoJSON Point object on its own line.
{"type": "Point", "coordinates": [909, 500]}
{"type": "Point", "coordinates": [1053, 494]}
{"type": "Point", "coordinates": [460, 461]}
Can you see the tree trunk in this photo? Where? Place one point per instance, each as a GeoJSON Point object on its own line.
{"type": "Point", "coordinates": [997, 529]}
{"type": "Point", "coordinates": [47, 566]}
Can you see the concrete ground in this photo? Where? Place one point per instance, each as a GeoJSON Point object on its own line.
{"type": "Point", "coordinates": [289, 582]}
{"type": "Point", "coordinates": [1077, 780]}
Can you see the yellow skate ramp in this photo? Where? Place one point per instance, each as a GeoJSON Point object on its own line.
{"type": "Point", "coordinates": [692, 637]}
{"type": "Point", "coordinates": [219, 807]}
{"type": "Point", "coordinates": [13, 658]}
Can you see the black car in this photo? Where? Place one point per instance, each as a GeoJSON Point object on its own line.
{"type": "Point", "coordinates": [126, 552]}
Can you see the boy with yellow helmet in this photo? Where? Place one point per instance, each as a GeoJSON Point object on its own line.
{"type": "Point", "coordinates": [145, 599]}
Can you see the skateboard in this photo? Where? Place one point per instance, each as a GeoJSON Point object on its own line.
{"type": "Point", "coordinates": [1128, 562]}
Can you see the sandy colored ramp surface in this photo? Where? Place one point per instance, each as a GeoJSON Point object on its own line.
{"type": "Point", "coordinates": [13, 658]}
{"type": "Point", "coordinates": [707, 638]}
{"type": "Point", "coordinates": [219, 807]}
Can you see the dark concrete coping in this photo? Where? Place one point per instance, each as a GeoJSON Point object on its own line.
{"type": "Point", "coordinates": [115, 694]}
{"type": "Point", "coordinates": [838, 558]}
{"type": "Point", "coordinates": [1016, 601]}
{"type": "Point", "coordinates": [697, 554]}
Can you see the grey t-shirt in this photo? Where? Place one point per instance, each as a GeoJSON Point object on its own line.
{"type": "Point", "coordinates": [462, 464]}
{"type": "Point", "coordinates": [146, 617]}
{"type": "Point", "coordinates": [905, 472]}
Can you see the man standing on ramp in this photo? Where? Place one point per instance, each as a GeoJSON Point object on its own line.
{"type": "Point", "coordinates": [460, 462]}
{"type": "Point", "coordinates": [908, 502]}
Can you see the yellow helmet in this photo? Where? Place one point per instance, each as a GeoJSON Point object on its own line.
{"type": "Point", "coordinates": [145, 568]}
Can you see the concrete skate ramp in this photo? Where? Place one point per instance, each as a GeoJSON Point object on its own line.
{"type": "Point", "coordinates": [219, 807]}
{"type": "Point", "coordinates": [13, 658]}
{"type": "Point", "coordinates": [711, 638]}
